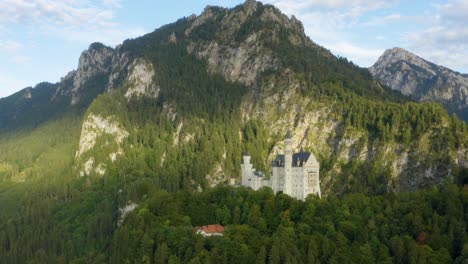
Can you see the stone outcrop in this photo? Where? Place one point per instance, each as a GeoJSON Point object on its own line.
{"type": "Point", "coordinates": [140, 80]}
{"type": "Point", "coordinates": [125, 210]}
{"type": "Point", "coordinates": [119, 69]}
{"type": "Point", "coordinates": [95, 61]}
{"type": "Point", "coordinates": [98, 61]}
{"type": "Point", "coordinates": [95, 127]}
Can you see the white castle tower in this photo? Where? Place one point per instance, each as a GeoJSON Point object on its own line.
{"type": "Point", "coordinates": [247, 170]}
{"type": "Point", "coordinates": [288, 153]}
{"type": "Point", "coordinates": [295, 174]}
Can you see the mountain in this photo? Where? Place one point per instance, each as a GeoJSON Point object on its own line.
{"type": "Point", "coordinates": [248, 71]}
{"type": "Point", "coordinates": [27, 106]}
{"type": "Point", "coordinates": [31, 107]}
{"type": "Point", "coordinates": [404, 71]}
{"type": "Point", "coordinates": [127, 159]}
{"type": "Point", "coordinates": [251, 71]}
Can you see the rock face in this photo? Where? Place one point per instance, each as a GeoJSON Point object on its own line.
{"type": "Point", "coordinates": [119, 69]}
{"type": "Point", "coordinates": [95, 126]}
{"type": "Point", "coordinates": [141, 80]}
{"type": "Point", "coordinates": [94, 62]}
{"type": "Point", "coordinates": [424, 81]}
{"type": "Point", "coordinates": [247, 59]}
{"type": "Point", "coordinates": [100, 69]}
{"type": "Point", "coordinates": [110, 132]}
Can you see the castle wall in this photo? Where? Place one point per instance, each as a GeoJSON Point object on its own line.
{"type": "Point", "coordinates": [311, 179]}
{"type": "Point", "coordinates": [257, 183]}
{"type": "Point", "coordinates": [297, 182]}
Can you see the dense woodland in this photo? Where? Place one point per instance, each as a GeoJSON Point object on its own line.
{"type": "Point", "coordinates": [424, 227]}
{"type": "Point", "coordinates": [57, 217]}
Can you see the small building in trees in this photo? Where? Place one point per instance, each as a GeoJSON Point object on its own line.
{"type": "Point", "coordinates": [209, 230]}
{"type": "Point", "coordinates": [295, 174]}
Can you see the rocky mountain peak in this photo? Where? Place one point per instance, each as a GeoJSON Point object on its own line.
{"type": "Point", "coordinates": [236, 42]}
{"type": "Point", "coordinates": [95, 61]}
{"type": "Point", "coordinates": [397, 55]}
{"type": "Point", "coordinates": [250, 6]}
{"type": "Point", "coordinates": [412, 75]}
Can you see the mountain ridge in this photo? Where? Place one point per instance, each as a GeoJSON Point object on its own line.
{"type": "Point", "coordinates": [265, 68]}
{"type": "Point", "coordinates": [404, 71]}
{"type": "Point", "coordinates": [282, 70]}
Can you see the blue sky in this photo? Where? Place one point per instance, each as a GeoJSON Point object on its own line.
{"type": "Point", "coordinates": [41, 40]}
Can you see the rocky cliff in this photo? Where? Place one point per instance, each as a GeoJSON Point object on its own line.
{"type": "Point", "coordinates": [404, 71]}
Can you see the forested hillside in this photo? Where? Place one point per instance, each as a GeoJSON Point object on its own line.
{"type": "Point", "coordinates": [156, 123]}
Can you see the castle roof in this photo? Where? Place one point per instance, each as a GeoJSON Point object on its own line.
{"type": "Point", "coordinates": [298, 159]}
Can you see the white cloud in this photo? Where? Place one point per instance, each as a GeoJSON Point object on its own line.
{"type": "Point", "coordinates": [9, 45]}
{"type": "Point", "coordinates": [351, 10]}
{"type": "Point", "coordinates": [349, 50]}
{"type": "Point", "coordinates": [455, 10]}
{"type": "Point", "coordinates": [445, 40]}
{"type": "Point", "coordinates": [84, 21]}
{"type": "Point", "coordinates": [28, 26]}
{"type": "Point", "coordinates": [297, 6]}
{"type": "Point", "coordinates": [329, 22]}
{"type": "Point", "coordinates": [64, 13]}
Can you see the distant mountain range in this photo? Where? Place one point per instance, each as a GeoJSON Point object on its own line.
{"type": "Point", "coordinates": [404, 71]}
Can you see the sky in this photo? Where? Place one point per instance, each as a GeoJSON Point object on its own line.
{"type": "Point", "coordinates": [41, 40]}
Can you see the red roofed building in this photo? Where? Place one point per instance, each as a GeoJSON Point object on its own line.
{"type": "Point", "coordinates": [209, 230]}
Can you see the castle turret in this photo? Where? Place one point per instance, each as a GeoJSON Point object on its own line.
{"type": "Point", "coordinates": [288, 152]}
{"type": "Point", "coordinates": [247, 169]}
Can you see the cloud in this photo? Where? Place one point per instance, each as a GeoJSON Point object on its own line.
{"type": "Point", "coordinates": [298, 5]}
{"type": "Point", "coordinates": [29, 26]}
{"type": "Point", "coordinates": [353, 51]}
{"type": "Point", "coordinates": [454, 10]}
{"type": "Point", "coordinates": [64, 13]}
{"type": "Point", "coordinates": [438, 34]}
{"type": "Point", "coordinates": [84, 21]}
{"type": "Point", "coordinates": [351, 9]}
{"type": "Point", "coordinates": [445, 40]}
{"type": "Point", "coordinates": [330, 23]}
{"type": "Point", "coordinates": [9, 45]}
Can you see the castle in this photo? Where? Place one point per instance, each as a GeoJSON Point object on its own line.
{"type": "Point", "coordinates": [294, 174]}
